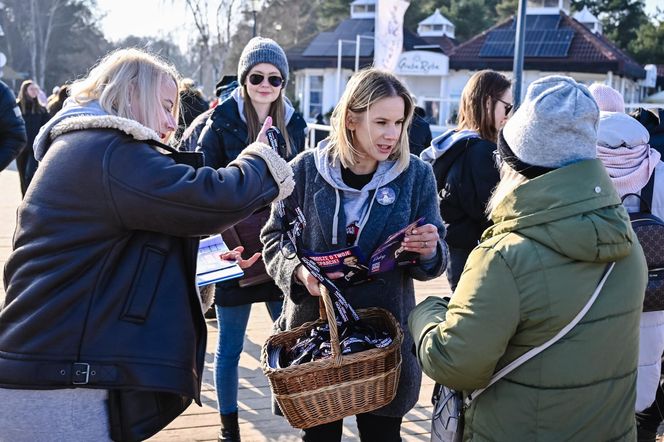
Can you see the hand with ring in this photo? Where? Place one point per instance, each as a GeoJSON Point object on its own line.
{"type": "Point", "coordinates": [422, 240]}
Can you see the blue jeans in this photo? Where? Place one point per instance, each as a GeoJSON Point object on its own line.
{"type": "Point", "coordinates": [232, 322]}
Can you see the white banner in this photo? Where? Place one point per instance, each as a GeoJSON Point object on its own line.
{"type": "Point", "coordinates": [388, 35]}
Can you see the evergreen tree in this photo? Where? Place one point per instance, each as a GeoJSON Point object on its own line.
{"type": "Point", "coordinates": [648, 46]}
{"type": "Point", "coordinates": [621, 19]}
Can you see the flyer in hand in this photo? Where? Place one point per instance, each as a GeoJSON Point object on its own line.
{"type": "Point", "coordinates": [210, 268]}
{"type": "Point", "coordinates": [356, 268]}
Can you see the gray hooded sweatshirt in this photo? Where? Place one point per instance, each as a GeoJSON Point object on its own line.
{"type": "Point", "coordinates": [356, 203]}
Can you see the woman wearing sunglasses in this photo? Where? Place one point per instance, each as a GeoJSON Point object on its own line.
{"type": "Point", "coordinates": [262, 75]}
{"type": "Point", "coordinates": [464, 166]}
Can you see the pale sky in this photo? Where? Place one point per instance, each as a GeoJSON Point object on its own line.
{"type": "Point", "coordinates": [142, 18]}
{"type": "Point", "coordinates": [161, 17]}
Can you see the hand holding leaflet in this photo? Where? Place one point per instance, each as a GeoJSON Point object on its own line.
{"type": "Point", "coordinates": [210, 268]}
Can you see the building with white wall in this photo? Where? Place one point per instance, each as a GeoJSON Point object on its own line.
{"type": "Point", "coordinates": [435, 68]}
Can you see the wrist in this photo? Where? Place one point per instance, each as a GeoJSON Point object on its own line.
{"type": "Point", "coordinates": [296, 275]}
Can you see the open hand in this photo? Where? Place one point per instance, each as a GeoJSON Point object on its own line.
{"type": "Point", "coordinates": [422, 240]}
{"type": "Point", "coordinates": [236, 255]}
{"type": "Point", "coordinates": [310, 282]}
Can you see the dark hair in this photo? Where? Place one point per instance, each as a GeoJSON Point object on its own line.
{"type": "Point", "coordinates": [483, 86]}
{"type": "Point", "coordinates": [28, 104]}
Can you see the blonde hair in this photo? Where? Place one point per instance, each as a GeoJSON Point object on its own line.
{"type": "Point", "coordinates": [364, 89]}
{"type": "Point", "coordinates": [483, 86]}
{"type": "Point", "coordinates": [127, 74]}
{"type": "Point", "coordinates": [277, 112]}
{"type": "Point", "coordinates": [510, 179]}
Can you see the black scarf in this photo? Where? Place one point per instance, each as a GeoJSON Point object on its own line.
{"type": "Point", "coordinates": [528, 170]}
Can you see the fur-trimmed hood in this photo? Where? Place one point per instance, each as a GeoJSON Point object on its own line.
{"type": "Point", "coordinates": [75, 116]}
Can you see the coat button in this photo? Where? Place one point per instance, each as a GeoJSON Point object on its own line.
{"type": "Point", "coordinates": [598, 189]}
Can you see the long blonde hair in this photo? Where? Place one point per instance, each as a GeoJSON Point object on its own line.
{"type": "Point", "coordinates": [483, 87]}
{"type": "Point", "coordinates": [364, 89]}
{"type": "Point", "coordinates": [277, 112]}
{"type": "Point", "coordinates": [123, 75]}
{"type": "Point", "coordinates": [510, 179]}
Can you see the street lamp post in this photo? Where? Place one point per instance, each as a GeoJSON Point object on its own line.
{"type": "Point", "coordinates": [254, 12]}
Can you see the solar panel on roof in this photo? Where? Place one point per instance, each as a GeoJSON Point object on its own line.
{"type": "Point", "coordinates": [540, 21]}
{"type": "Point", "coordinates": [538, 43]}
{"type": "Point", "coordinates": [556, 43]}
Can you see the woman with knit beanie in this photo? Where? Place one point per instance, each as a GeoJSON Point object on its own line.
{"type": "Point", "coordinates": [464, 165]}
{"type": "Point", "coordinates": [622, 145]}
{"type": "Point", "coordinates": [558, 231]}
{"type": "Point", "coordinates": [262, 73]}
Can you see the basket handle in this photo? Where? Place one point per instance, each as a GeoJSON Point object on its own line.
{"type": "Point", "coordinates": [326, 311]}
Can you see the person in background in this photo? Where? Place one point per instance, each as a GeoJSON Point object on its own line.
{"type": "Point", "coordinates": [56, 101]}
{"type": "Point", "coordinates": [35, 116]}
{"type": "Point", "coordinates": [653, 121]}
{"type": "Point", "coordinates": [102, 333]}
{"type": "Point", "coordinates": [192, 104]}
{"type": "Point", "coordinates": [558, 225]}
{"type": "Point", "coordinates": [12, 127]}
{"type": "Point", "coordinates": [320, 135]}
{"type": "Point", "coordinates": [622, 145]}
{"type": "Point", "coordinates": [464, 165]}
{"type": "Point", "coordinates": [419, 133]}
{"type": "Point", "coordinates": [337, 187]}
{"type": "Point", "coordinates": [223, 89]}
{"type": "Point", "coordinates": [262, 74]}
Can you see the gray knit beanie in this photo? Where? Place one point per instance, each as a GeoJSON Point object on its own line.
{"type": "Point", "coordinates": [262, 50]}
{"type": "Point", "coordinates": [556, 125]}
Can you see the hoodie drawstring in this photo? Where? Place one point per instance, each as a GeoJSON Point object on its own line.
{"type": "Point", "coordinates": [366, 217]}
{"type": "Point", "coordinates": [335, 222]}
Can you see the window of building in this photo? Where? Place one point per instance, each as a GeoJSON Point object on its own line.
{"type": "Point", "coordinates": [315, 95]}
{"type": "Point", "coordinates": [363, 9]}
{"type": "Point", "coordinates": [432, 110]}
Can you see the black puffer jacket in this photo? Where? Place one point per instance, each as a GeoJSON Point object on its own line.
{"type": "Point", "coordinates": [226, 133]}
{"type": "Point", "coordinates": [100, 283]}
{"type": "Point", "coordinates": [221, 141]}
{"type": "Point", "coordinates": [12, 127]}
{"type": "Point", "coordinates": [653, 121]}
{"type": "Point", "coordinates": [465, 191]}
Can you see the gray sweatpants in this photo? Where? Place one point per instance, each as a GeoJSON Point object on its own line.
{"type": "Point", "coordinates": [79, 414]}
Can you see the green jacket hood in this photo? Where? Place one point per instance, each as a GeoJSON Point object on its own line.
{"type": "Point", "coordinates": [574, 210]}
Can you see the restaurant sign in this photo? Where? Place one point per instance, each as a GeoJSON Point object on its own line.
{"type": "Point", "coordinates": [422, 63]}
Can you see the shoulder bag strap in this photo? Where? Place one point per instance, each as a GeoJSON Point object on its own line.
{"type": "Point", "coordinates": [646, 194]}
{"type": "Point", "coordinates": [537, 350]}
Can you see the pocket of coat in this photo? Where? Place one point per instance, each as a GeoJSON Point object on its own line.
{"type": "Point", "coordinates": [144, 286]}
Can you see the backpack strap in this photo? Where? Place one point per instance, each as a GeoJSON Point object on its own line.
{"type": "Point", "coordinates": [646, 194]}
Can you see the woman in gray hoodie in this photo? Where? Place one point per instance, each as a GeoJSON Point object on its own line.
{"type": "Point", "coordinates": [356, 189]}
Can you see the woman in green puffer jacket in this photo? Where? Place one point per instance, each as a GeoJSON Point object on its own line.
{"type": "Point", "coordinates": [558, 222]}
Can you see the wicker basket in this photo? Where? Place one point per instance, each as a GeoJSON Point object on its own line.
{"type": "Point", "coordinates": [330, 389]}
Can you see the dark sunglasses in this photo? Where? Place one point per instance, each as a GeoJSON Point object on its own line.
{"type": "Point", "coordinates": [508, 106]}
{"type": "Point", "coordinates": [274, 80]}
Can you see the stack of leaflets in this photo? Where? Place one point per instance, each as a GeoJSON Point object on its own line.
{"type": "Point", "coordinates": [356, 269]}
{"type": "Point", "coordinates": [210, 268]}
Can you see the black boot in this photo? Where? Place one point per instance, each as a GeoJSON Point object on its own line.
{"type": "Point", "coordinates": [230, 430]}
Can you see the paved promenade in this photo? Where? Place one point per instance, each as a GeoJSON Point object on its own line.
{"type": "Point", "coordinates": [256, 420]}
